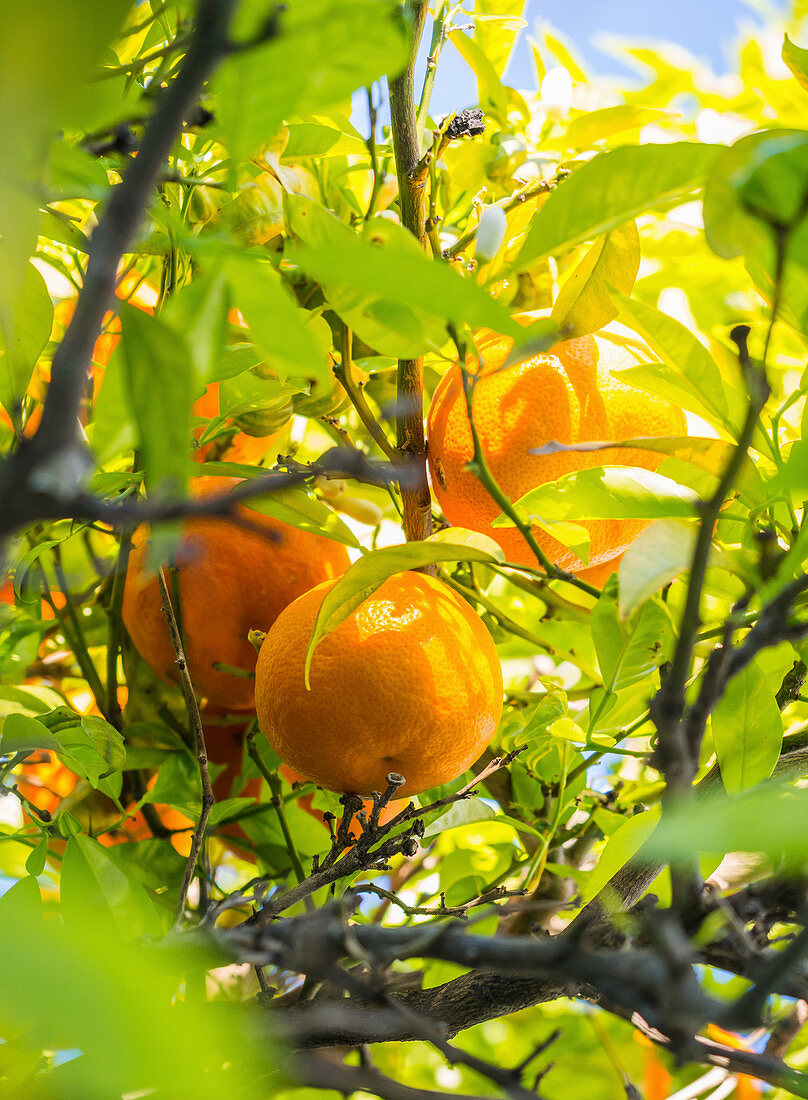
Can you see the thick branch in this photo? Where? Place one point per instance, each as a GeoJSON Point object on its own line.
{"type": "Point", "coordinates": [51, 466]}
{"type": "Point", "coordinates": [416, 500]}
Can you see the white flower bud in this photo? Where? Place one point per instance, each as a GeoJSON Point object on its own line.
{"type": "Point", "coordinates": [490, 233]}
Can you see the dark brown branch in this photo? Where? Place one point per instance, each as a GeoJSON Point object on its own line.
{"type": "Point", "coordinates": [49, 469]}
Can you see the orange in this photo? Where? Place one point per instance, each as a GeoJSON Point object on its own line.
{"type": "Point", "coordinates": [568, 395]}
{"type": "Point", "coordinates": [231, 579]}
{"type": "Point", "coordinates": [408, 683]}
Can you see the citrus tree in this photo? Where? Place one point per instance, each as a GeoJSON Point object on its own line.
{"type": "Point", "coordinates": [402, 640]}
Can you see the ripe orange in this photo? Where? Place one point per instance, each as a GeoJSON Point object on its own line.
{"type": "Point", "coordinates": [409, 683]}
{"type": "Point", "coordinates": [231, 579]}
{"type": "Point", "coordinates": [569, 395]}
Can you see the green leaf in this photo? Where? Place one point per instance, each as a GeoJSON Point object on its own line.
{"type": "Point", "coordinates": [610, 189]}
{"type": "Point", "coordinates": [584, 303]}
{"type": "Point", "coordinates": [97, 888]}
{"type": "Point", "coordinates": [621, 847]}
{"type": "Point", "coordinates": [491, 92]}
{"type": "Point", "coordinates": [312, 63]}
{"type": "Point", "coordinates": [300, 508]}
{"type": "Point", "coordinates": [22, 903]}
{"type": "Point", "coordinates": [35, 864]}
{"type": "Point", "coordinates": [278, 326]}
{"type": "Point", "coordinates": [658, 554]}
{"type": "Point", "coordinates": [606, 492]}
{"type": "Point", "coordinates": [773, 183]}
{"type": "Point", "coordinates": [704, 452]}
{"type": "Point", "coordinates": [688, 375]}
{"type": "Point", "coordinates": [730, 226]}
{"type": "Point", "coordinates": [21, 733]}
{"type": "Point", "coordinates": [159, 375]}
{"type": "Point", "coordinates": [467, 812]}
{"type": "Point", "coordinates": [385, 275]}
{"type": "Point", "coordinates": [94, 749]}
{"type": "Point", "coordinates": [25, 326]}
{"type": "Point", "coordinates": [367, 574]}
{"type": "Point", "coordinates": [629, 652]}
{"type": "Point", "coordinates": [797, 60]}
{"type": "Point", "coordinates": [747, 729]}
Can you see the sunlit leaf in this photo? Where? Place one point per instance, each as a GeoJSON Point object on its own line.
{"type": "Point", "coordinates": [606, 492]}
{"type": "Point", "coordinates": [658, 554]}
{"type": "Point", "coordinates": [612, 188]}
{"type": "Point", "coordinates": [797, 60]}
{"type": "Point", "coordinates": [584, 303]}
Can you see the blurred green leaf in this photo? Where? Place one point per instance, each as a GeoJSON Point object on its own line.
{"type": "Point", "coordinates": [48, 54]}
{"type": "Point", "coordinates": [112, 1004]}
{"type": "Point", "coordinates": [585, 129]}
{"type": "Point", "coordinates": [610, 189]}
{"type": "Point", "coordinates": [584, 303]}
{"type": "Point", "coordinates": [770, 818]}
{"type": "Point", "coordinates": [159, 375]}
{"type": "Point", "coordinates": [797, 60]}
{"type": "Point", "coordinates": [25, 326]}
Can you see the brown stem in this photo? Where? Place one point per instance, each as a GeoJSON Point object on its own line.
{"type": "Point", "coordinates": [416, 499]}
{"type": "Point", "coordinates": [195, 719]}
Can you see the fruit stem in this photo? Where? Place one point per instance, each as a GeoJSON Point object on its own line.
{"type": "Point", "coordinates": [416, 499]}
{"type": "Point", "coordinates": [274, 784]}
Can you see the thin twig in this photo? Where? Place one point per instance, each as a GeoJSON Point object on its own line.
{"type": "Point", "coordinates": [274, 784]}
{"type": "Point", "coordinates": [195, 720]}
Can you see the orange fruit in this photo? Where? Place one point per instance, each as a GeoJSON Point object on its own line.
{"type": "Point", "coordinates": [230, 579]}
{"type": "Point", "coordinates": [408, 683]}
{"type": "Point", "coordinates": [569, 394]}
